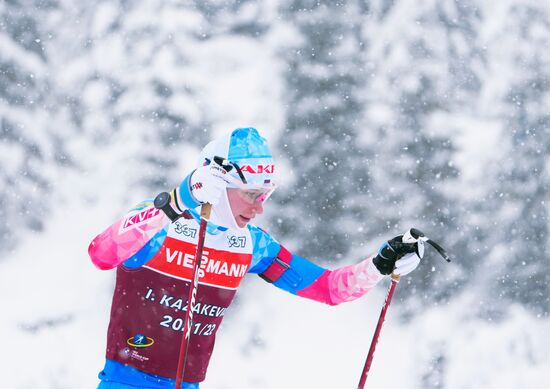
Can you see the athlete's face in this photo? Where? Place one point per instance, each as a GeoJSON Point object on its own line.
{"type": "Point", "coordinates": [243, 209]}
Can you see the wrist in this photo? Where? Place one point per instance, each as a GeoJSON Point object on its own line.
{"type": "Point", "coordinates": [383, 265]}
{"type": "Point", "coordinates": [176, 202]}
{"type": "Point", "coordinates": [185, 198]}
{"type": "Point", "coordinates": [372, 269]}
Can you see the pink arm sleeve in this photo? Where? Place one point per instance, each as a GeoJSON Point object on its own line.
{"type": "Point", "coordinates": [125, 237]}
{"type": "Point", "coordinates": [344, 284]}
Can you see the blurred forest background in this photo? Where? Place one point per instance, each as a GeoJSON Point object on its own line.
{"type": "Point", "coordinates": [382, 114]}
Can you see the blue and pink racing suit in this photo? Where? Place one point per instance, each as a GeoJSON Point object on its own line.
{"type": "Point", "coordinates": [153, 259]}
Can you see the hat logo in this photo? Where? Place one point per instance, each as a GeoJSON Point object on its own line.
{"type": "Point", "coordinates": [258, 169]}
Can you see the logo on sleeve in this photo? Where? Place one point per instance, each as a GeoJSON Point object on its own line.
{"type": "Point", "coordinates": [138, 219]}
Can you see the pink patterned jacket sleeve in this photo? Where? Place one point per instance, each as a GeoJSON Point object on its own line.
{"type": "Point", "coordinates": [344, 284]}
{"type": "Point", "coordinates": [126, 236]}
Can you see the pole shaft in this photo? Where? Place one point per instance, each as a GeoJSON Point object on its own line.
{"type": "Point", "coordinates": [205, 214]}
{"type": "Point", "coordinates": [376, 335]}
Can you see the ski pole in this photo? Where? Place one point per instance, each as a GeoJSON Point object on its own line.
{"type": "Point", "coordinates": [412, 236]}
{"type": "Point", "coordinates": [205, 215]}
{"type": "Point", "coordinates": [370, 356]}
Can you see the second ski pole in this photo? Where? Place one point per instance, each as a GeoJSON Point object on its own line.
{"type": "Point", "coordinates": [205, 215]}
{"type": "Point", "coordinates": [413, 236]}
{"type": "Point", "coordinates": [370, 356]}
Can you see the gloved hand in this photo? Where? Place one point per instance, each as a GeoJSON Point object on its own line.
{"type": "Point", "coordinates": [207, 183]}
{"type": "Point", "coordinates": [399, 257]}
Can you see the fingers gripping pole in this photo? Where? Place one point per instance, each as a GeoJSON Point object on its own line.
{"type": "Point", "coordinates": [205, 215]}
{"type": "Point", "coordinates": [394, 280]}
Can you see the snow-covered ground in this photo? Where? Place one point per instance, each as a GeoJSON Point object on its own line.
{"type": "Point", "coordinates": [55, 310]}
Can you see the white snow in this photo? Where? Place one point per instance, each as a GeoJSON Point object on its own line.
{"type": "Point", "coordinates": [55, 304]}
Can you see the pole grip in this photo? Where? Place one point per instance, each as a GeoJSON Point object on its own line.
{"type": "Point", "coordinates": [206, 208]}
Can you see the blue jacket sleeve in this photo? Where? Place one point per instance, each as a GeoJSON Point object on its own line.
{"type": "Point", "coordinates": [302, 273]}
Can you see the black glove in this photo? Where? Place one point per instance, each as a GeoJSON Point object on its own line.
{"type": "Point", "coordinates": [392, 251]}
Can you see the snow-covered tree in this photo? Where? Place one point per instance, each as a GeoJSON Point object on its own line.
{"type": "Point", "coordinates": [323, 210]}
{"type": "Point", "coordinates": [127, 73]}
{"type": "Point", "coordinates": [520, 239]}
{"type": "Point", "coordinates": [30, 144]}
{"type": "Point", "coordinates": [422, 74]}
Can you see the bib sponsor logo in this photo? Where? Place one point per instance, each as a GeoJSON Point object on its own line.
{"type": "Point", "coordinates": [218, 267]}
{"type": "Point", "coordinates": [138, 219]}
{"type": "Point", "coordinates": [185, 230]}
{"type": "Point", "coordinates": [236, 241]}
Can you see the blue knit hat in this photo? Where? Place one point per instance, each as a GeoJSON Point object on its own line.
{"type": "Point", "coordinates": [249, 150]}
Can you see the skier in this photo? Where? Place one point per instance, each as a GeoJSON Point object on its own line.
{"type": "Point", "coordinates": [153, 251]}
